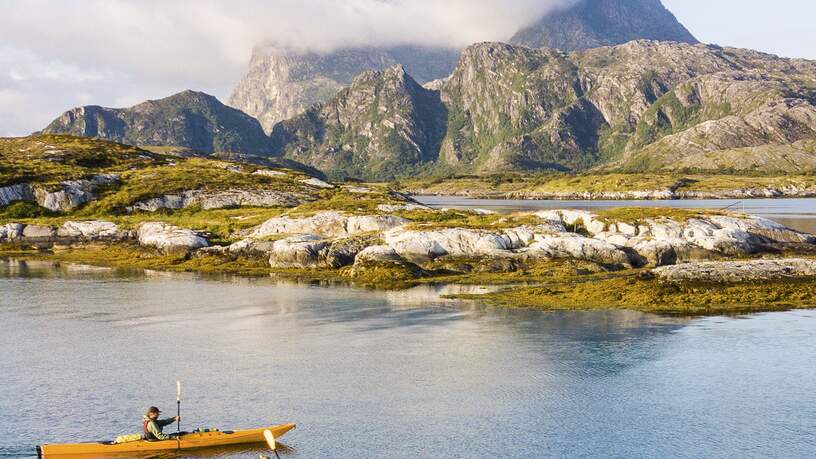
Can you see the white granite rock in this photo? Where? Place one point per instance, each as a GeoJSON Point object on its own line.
{"type": "Point", "coordinates": [570, 245]}
{"type": "Point", "coordinates": [219, 200]}
{"type": "Point", "coordinates": [11, 232]}
{"type": "Point", "coordinates": [39, 233]}
{"type": "Point", "coordinates": [168, 237]}
{"type": "Point", "coordinates": [13, 193]}
{"type": "Point", "coordinates": [316, 182]}
{"type": "Point", "coordinates": [327, 224]}
{"type": "Point", "coordinates": [736, 271]}
{"type": "Point", "coordinates": [377, 254]}
{"type": "Point", "coordinates": [89, 230]}
{"type": "Point", "coordinates": [301, 251]}
{"type": "Point", "coordinates": [270, 173]}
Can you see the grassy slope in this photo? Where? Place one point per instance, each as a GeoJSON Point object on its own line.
{"type": "Point", "coordinates": [532, 184]}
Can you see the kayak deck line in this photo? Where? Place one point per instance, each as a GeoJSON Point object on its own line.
{"type": "Point", "coordinates": [187, 440]}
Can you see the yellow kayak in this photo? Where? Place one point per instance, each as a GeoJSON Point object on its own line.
{"type": "Point", "coordinates": [188, 440]}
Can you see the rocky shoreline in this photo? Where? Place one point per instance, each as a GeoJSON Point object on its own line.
{"type": "Point", "coordinates": [383, 249]}
{"type": "Point", "coordinates": [635, 195]}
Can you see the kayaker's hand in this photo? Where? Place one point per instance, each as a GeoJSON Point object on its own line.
{"type": "Point", "coordinates": [177, 418]}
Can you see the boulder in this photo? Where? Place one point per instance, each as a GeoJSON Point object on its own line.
{"type": "Point", "coordinates": [377, 254]}
{"type": "Point", "coordinates": [762, 227]}
{"type": "Point", "coordinates": [571, 245]}
{"type": "Point", "coordinates": [342, 252]}
{"type": "Point", "coordinates": [73, 193]}
{"type": "Point", "coordinates": [13, 193]}
{"type": "Point", "coordinates": [574, 218]}
{"type": "Point", "coordinates": [328, 224]}
{"type": "Point", "coordinates": [269, 173]}
{"type": "Point", "coordinates": [11, 232]}
{"type": "Point", "coordinates": [736, 271]}
{"type": "Point", "coordinates": [316, 182]}
{"type": "Point", "coordinates": [460, 242]}
{"type": "Point", "coordinates": [168, 237]}
{"type": "Point", "coordinates": [90, 230]}
{"type": "Point", "coordinates": [38, 233]}
{"type": "Point", "coordinates": [301, 251]}
{"type": "Point", "coordinates": [652, 252]}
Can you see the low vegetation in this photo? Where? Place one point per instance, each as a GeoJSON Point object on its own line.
{"type": "Point", "coordinates": [633, 292]}
{"type": "Point", "coordinates": [563, 185]}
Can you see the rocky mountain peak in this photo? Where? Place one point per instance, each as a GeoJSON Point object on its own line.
{"type": "Point", "coordinates": [281, 82]}
{"type": "Point", "coordinates": [594, 23]}
{"type": "Point", "coordinates": [189, 119]}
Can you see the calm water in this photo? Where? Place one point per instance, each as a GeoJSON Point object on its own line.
{"type": "Point", "coordinates": [393, 375]}
{"type": "Point", "coordinates": [796, 213]}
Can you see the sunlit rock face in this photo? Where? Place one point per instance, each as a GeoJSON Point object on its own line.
{"type": "Point", "coordinates": [281, 82]}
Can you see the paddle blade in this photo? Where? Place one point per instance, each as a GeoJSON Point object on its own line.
{"type": "Point", "coordinates": [270, 439]}
{"type": "Point", "coordinates": [178, 390]}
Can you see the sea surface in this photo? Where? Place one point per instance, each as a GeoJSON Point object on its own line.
{"type": "Point", "coordinates": [798, 214]}
{"type": "Point", "coordinates": [403, 374]}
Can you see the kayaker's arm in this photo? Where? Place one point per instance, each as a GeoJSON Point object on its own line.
{"type": "Point", "coordinates": [165, 422]}
{"type": "Point", "coordinates": [153, 428]}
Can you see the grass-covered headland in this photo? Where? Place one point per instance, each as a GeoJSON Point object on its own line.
{"type": "Point", "coordinates": [71, 199]}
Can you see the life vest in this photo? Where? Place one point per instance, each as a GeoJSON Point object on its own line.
{"type": "Point", "coordinates": [147, 434]}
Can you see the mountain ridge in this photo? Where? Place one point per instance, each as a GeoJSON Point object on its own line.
{"type": "Point", "coordinates": [189, 119]}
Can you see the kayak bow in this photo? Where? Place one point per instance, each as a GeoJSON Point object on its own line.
{"type": "Point", "coordinates": [188, 440]}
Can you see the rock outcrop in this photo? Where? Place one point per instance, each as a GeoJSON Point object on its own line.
{"type": "Point", "coordinates": [297, 252]}
{"type": "Point", "coordinates": [69, 233]}
{"type": "Point", "coordinates": [221, 200]}
{"type": "Point", "coordinates": [68, 196]}
{"type": "Point", "coordinates": [327, 224]}
{"type": "Point", "coordinates": [167, 237]}
{"type": "Point", "coordinates": [736, 271]}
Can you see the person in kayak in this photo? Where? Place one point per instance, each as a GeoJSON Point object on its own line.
{"type": "Point", "coordinates": [153, 425]}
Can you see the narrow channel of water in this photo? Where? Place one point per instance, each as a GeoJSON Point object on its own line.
{"type": "Point", "coordinates": [799, 214]}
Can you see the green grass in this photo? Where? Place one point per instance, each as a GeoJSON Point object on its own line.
{"type": "Point", "coordinates": [633, 292]}
{"type": "Point", "coordinates": [637, 215]}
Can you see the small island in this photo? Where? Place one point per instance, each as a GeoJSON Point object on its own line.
{"type": "Point", "coordinates": [73, 199]}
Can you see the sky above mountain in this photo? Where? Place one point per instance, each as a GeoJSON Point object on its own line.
{"type": "Point", "coordinates": [55, 55]}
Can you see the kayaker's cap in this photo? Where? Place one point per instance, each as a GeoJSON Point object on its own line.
{"type": "Point", "coordinates": [153, 409]}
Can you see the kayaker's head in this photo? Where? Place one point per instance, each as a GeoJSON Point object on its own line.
{"type": "Point", "coordinates": [153, 413]}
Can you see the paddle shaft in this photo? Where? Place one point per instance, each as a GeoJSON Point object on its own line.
{"type": "Point", "coordinates": [178, 414]}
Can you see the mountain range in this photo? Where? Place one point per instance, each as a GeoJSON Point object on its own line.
{"type": "Point", "coordinates": [282, 82]}
{"type": "Point", "coordinates": [637, 106]}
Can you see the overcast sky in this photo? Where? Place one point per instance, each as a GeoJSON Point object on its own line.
{"type": "Point", "coordinates": [57, 54]}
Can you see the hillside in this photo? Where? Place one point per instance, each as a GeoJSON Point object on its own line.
{"type": "Point", "coordinates": [280, 83]}
{"type": "Point", "coordinates": [189, 119]}
{"type": "Point", "coordinates": [594, 23]}
{"type": "Point", "coordinates": [641, 106]}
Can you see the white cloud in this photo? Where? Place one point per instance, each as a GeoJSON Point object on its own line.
{"type": "Point", "coordinates": [57, 54]}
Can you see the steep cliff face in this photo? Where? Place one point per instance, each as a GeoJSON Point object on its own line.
{"type": "Point", "coordinates": [643, 105]}
{"type": "Point", "coordinates": [188, 119]}
{"type": "Point", "coordinates": [384, 125]}
{"type": "Point", "coordinates": [282, 83]}
{"type": "Point", "coordinates": [593, 23]}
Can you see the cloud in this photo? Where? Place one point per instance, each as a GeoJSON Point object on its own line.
{"type": "Point", "coordinates": [57, 54]}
